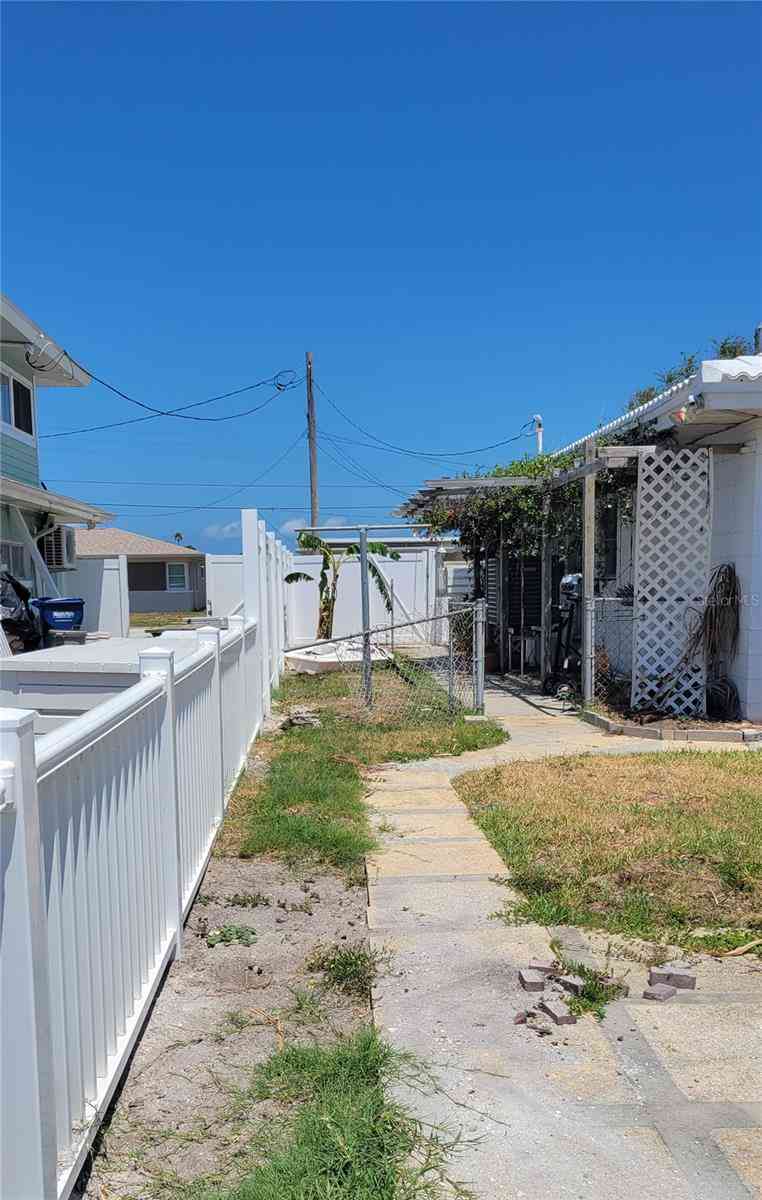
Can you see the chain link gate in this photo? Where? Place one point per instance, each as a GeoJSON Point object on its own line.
{"type": "Point", "coordinates": [426, 670]}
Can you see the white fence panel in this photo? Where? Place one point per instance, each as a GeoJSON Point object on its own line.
{"type": "Point", "coordinates": [224, 584]}
{"type": "Point", "coordinates": [413, 577]}
{"type": "Point", "coordinates": [106, 827]}
{"type": "Point", "coordinates": [110, 895]}
{"type": "Point", "coordinates": [199, 766]}
{"type": "Point", "coordinates": [233, 684]}
{"type": "Point", "coordinates": [102, 584]}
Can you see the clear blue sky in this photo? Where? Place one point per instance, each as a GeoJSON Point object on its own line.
{"type": "Point", "coordinates": [468, 212]}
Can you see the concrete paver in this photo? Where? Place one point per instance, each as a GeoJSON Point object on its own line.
{"type": "Point", "coordinates": [658, 1099]}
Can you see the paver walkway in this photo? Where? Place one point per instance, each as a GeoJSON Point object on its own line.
{"type": "Point", "coordinates": [542, 725]}
{"type": "Point", "coordinates": [658, 1100]}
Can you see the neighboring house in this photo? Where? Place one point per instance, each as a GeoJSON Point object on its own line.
{"type": "Point", "coordinates": [35, 544]}
{"type": "Point", "coordinates": [162, 576]}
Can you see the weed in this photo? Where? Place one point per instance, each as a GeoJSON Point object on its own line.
{"type": "Point", "coordinates": [231, 935]}
{"type": "Point", "coordinates": [248, 900]}
{"type": "Point", "coordinates": [599, 989]}
{"type": "Point", "coordinates": [233, 1022]}
{"type": "Point", "coordinates": [351, 968]}
{"type": "Point", "coordinates": [347, 1141]}
{"type": "Point", "coordinates": [306, 1009]}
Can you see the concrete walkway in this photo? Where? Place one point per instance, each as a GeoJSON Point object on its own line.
{"type": "Point", "coordinates": [658, 1100]}
{"type": "Point", "coordinates": [541, 725]}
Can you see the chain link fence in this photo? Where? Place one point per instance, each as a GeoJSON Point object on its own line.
{"type": "Point", "coordinates": [421, 671]}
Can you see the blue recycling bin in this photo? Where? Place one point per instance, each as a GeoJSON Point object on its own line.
{"type": "Point", "coordinates": [62, 612]}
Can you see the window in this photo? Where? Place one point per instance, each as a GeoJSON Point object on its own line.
{"type": "Point", "coordinates": [146, 577]}
{"type": "Point", "coordinates": [5, 398]}
{"type": "Point", "coordinates": [22, 407]}
{"type": "Point", "coordinates": [16, 404]}
{"type": "Point", "coordinates": [177, 577]}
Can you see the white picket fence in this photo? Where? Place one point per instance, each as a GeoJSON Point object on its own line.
{"type": "Point", "coordinates": [106, 827]}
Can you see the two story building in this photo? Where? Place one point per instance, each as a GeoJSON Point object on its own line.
{"type": "Point", "coordinates": [36, 545]}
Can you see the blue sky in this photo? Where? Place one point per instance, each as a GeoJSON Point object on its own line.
{"type": "Point", "coordinates": [469, 213]}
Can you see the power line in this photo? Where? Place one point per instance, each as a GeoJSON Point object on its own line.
{"type": "Point", "coordinates": [179, 412]}
{"type": "Point", "coordinates": [197, 483]}
{"type": "Point", "coordinates": [451, 463]}
{"type": "Point", "coordinates": [229, 495]}
{"type": "Point", "coordinates": [423, 453]}
{"type": "Point", "coordinates": [354, 468]}
{"type": "Point", "coordinates": [236, 508]}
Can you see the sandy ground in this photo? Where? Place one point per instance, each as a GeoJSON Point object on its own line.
{"type": "Point", "coordinates": [221, 1010]}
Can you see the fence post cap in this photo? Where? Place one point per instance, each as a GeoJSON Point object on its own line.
{"type": "Point", "coordinates": [156, 656]}
{"type": "Point", "coordinates": [208, 633]}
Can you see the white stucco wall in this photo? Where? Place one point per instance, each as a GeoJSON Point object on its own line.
{"type": "Point", "coordinates": [737, 538]}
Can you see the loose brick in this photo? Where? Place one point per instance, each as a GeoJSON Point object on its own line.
{"type": "Point", "coordinates": [572, 983]}
{"type": "Point", "coordinates": [531, 981]}
{"type": "Point", "coordinates": [659, 991]}
{"type": "Point", "coordinates": [546, 966]}
{"type": "Point", "coordinates": [674, 974]}
{"type": "Point", "coordinates": [558, 1012]}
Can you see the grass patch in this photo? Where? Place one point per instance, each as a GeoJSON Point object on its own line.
{"type": "Point", "coordinates": [310, 805]}
{"type": "Point", "coordinates": [345, 1140]}
{"type": "Point", "coordinates": [351, 969]}
{"type": "Point", "coordinates": [658, 846]}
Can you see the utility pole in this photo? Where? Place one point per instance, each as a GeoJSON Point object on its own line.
{"type": "Point", "coordinates": [312, 440]}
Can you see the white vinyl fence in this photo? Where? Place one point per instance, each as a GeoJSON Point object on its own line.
{"type": "Point", "coordinates": [413, 577]}
{"type": "Point", "coordinates": [106, 827]}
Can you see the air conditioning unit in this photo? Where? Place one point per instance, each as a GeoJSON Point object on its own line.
{"type": "Point", "coordinates": [59, 549]}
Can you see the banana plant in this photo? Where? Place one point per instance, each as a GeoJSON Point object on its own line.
{"type": "Point", "coordinates": [330, 569]}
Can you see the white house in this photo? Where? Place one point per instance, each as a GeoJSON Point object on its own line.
{"type": "Point", "coordinates": [698, 504]}
{"type": "Point", "coordinates": [720, 407]}
{"type": "Point", "coordinates": [35, 544]}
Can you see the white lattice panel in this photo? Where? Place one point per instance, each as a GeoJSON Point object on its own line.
{"type": "Point", "coordinates": [672, 554]}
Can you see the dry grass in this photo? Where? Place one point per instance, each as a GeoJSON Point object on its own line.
{"type": "Point", "coordinates": [645, 844]}
{"type": "Point", "coordinates": [144, 620]}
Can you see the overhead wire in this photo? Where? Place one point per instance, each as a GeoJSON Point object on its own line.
{"type": "Point", "coordinates": [423, 453]}
{"type": "Point", "coordinates": [354, 468]}
{"type": "Point", "coordinates": [237, 491]}
{"type": "Point", "coordinates": [196, 483]}
{"type": "Point", "coordinates": [176, 411]}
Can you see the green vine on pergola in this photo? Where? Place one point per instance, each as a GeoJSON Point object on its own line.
{"type": "Point", "coordinates": [519, 517]}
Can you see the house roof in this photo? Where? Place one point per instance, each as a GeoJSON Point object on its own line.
{"type": "Point", "coordinates": [60, 508]}
{"type": "Point", "coordinates": [722, 394]}
{"type": "Point", "coordinates": [25, 348]}
{"type": "Point", "coordinates": [98, 543]}
{"type": "Point", "coordinates": [745, 371]}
